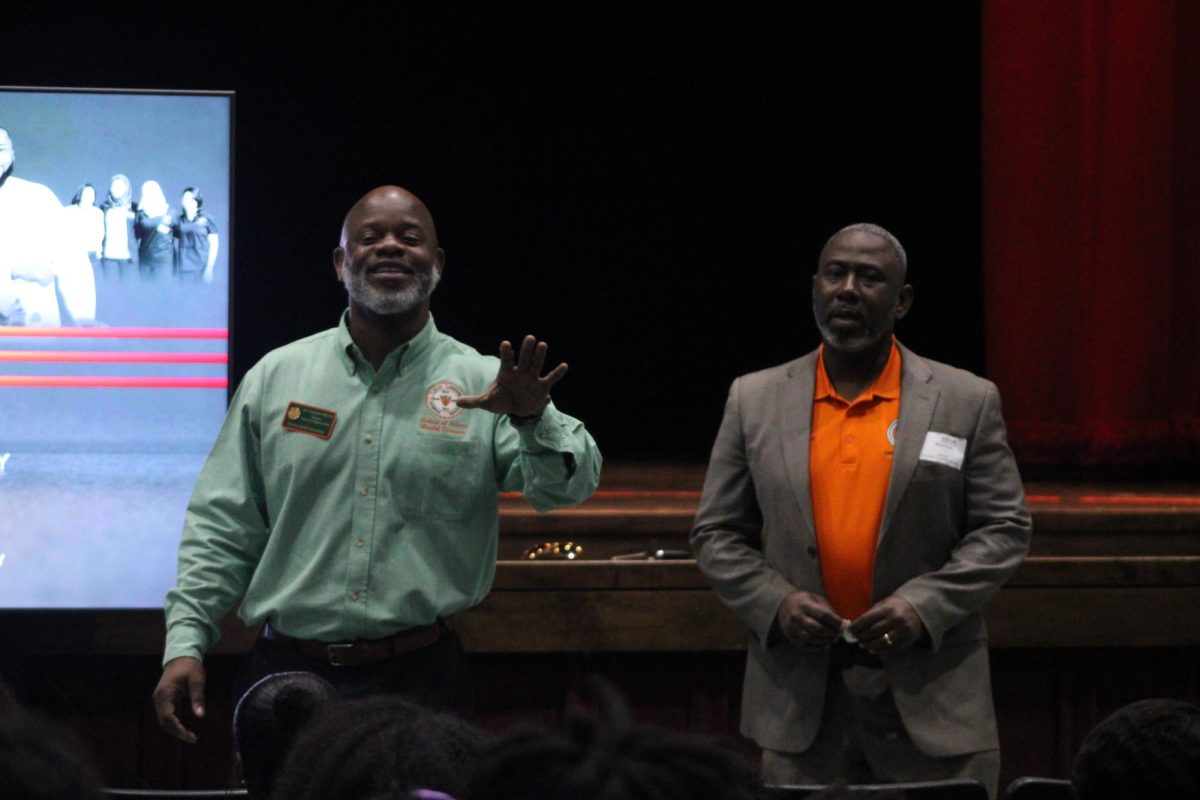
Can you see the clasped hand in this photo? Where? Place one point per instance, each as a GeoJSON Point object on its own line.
{"type": "Point", "coordinates": [520, 388]}
{"type": "Point", "coordinates": [808, 620]}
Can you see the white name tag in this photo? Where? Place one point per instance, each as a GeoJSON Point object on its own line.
{"type": "Point", "coordinates": [942, 448]}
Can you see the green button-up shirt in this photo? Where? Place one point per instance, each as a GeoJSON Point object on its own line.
{"type": "Point", "coordinates": [342, 503]}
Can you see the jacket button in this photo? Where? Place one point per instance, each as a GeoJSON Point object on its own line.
{"type": "Point", "coordinates": [812, 552]}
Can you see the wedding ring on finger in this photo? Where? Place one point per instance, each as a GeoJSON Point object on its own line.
{"type": "Point", "coordinates": [887, 639]}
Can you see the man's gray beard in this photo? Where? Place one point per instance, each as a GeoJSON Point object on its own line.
{"type": "Point", "coordinates": [851, 343]}
{"type": "Point", "coordinates": [381, 302]}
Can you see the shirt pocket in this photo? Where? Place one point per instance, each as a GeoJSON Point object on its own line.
{"type": "Point", "coordinates": [441, 478]}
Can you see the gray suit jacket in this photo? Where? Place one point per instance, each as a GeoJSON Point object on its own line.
{"type": "Point", "coordinates": [948, 539]}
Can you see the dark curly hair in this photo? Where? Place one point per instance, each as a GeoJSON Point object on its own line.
{"type": "Point", "coordinates": [380, 747]}
{"type": "Point", "coordinates": [609, 758]}
{"type": "Point", "coordinates": [268, 717]}
{"type": "Point", "coordinates": [1150, 749]}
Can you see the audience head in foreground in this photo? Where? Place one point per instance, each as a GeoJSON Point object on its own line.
{"type": "Point", "coordinates": [267, 719]}
{"type": "Point", "coordinates": [39, 761]}
{"type": "Point", "coordinates": [383, 748]}
{"type": "Point", "coordinates": [609, 759]}
{"type": "Point", "coordinates": [1150, 748]}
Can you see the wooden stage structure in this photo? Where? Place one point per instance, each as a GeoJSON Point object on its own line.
{"type": "Point", "coordinates": [1102, 612]}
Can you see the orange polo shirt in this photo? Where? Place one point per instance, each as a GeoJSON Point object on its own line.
{"type": "Point", "coordinates": [850, 461]}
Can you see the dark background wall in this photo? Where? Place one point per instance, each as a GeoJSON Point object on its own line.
{"type": "Point", "coordinates": [646, 187]}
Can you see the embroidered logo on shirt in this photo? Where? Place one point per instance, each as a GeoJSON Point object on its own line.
{"type": "Point", "coordinates": [891, 432]}
{"type": "Point", "coordinates": [440, 399]}
{"type": "Point", "coordinates": [308, 419]}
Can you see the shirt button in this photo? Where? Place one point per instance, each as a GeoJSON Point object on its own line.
{"type": "Point", "coordinates": [365, 491]}
{"type": "Point", "coordinates": [850, 439]}
{"type": "Point", "coordinates": [374, 390]}
{"type": "Point", "coordinates": [370, 439]}
{"type": "Point", "coordinates": [354, 595]}
{"type": "Point", "coordinates": [360, 542]}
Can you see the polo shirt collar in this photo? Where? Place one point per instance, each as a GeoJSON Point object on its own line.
{"type": "Point", "coordinates": [886, 385]}
{"type": "Point", "coordinates": [351, 357]}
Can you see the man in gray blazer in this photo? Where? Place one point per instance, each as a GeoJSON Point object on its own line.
{"type": "Point", "coordinates": [861, 506]}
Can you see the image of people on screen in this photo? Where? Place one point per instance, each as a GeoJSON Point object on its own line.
{"type": "Point", "coordinates": [116, 258]}
{"type": "Point", "coordinates": [86, 222]}
{"type": "Point", "coordinates": [197, 239]}
{"type": "Point", "coordinates": [154, 226]}
{"type": "Point", "coordinates": [45, 278]}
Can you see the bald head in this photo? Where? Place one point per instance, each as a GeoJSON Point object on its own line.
{"type": "Point", "coordinates": [384, 198]}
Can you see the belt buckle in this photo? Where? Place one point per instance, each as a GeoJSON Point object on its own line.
{"type": "Point", "coordinates": [332, 652]}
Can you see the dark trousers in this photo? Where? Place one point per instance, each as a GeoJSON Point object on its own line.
{"type": "Point", "coordinates": [862, 739]}
{"type": "Point", "coordinates": [437, 676]}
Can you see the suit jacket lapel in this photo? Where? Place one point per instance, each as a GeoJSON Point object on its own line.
{"type": "Point", "coordinates": [794, 399]}
{"type": "Point", "coordinates": [917, 401]}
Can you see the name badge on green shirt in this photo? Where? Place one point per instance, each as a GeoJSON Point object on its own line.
{"type": "Point", "coordinates": [315, 421]}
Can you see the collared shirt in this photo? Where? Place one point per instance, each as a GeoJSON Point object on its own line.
{"type": "Point", "coordinates": [344, 503]}
{"type": "Point", "coordinates": [850, 462]}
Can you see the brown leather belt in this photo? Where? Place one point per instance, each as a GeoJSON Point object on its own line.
{"type": "Point", "coordinates": [361, 651]}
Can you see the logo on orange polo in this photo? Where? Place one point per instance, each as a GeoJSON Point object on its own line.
{"type": "Point", "coordinates": [441, 397]}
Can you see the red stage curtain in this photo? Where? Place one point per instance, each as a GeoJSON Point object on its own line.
{"type": "Point", "coordinates": [1091, 173]}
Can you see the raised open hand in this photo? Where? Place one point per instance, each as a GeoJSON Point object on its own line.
{"type": "Point", "coordinates": [520, 388]}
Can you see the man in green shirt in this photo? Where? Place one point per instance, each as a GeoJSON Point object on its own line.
{"type": "Point", "coordinates": [350, 500]}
